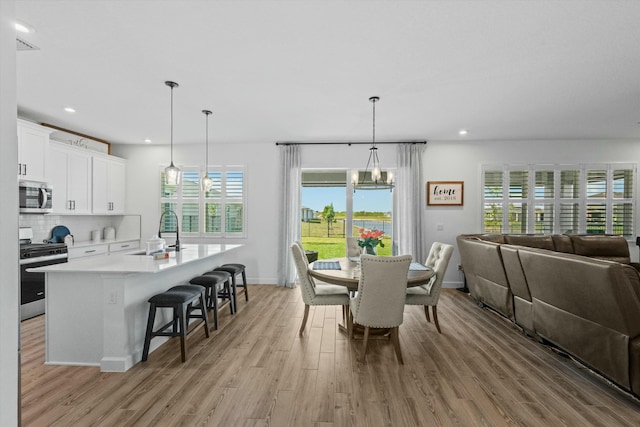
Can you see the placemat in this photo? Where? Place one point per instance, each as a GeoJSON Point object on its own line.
{"type": "Point", "coordinates": [416, 266]}
{"type": "Point", "coordinates": [326, 265]}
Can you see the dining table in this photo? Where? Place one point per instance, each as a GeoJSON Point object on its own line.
{"type": "Point", "coordinates": [346, 272]}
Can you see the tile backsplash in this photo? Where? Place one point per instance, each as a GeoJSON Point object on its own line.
{"type": "Point", "coordinates": [127, 226]}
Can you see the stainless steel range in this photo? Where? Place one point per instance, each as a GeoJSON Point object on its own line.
{"type": "Point", "coordinates": [33, 255]}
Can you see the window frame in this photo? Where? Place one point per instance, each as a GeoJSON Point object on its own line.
{"type": "Point", "coordinates": [582, 200]}
{"type": "Point", "coordinates": [224, 200]}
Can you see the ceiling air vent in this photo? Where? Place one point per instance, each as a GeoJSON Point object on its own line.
{"type": "Point", "coordinates": [23, 45]}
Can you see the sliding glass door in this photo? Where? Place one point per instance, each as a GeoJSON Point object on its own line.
{"type": "Point", "coordinates": [331, 211]}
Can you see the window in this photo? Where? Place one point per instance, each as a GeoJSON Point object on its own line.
{"type": "Point", "coordinates": [591, 199]}
{"type": "Point", "coordinates": [218, 212]}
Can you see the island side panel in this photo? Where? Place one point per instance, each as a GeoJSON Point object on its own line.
{"type": "Point", "coordinates": [73, 319]}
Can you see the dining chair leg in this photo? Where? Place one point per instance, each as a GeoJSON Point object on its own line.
{"type": "Point", "coordinates": [396, 343]}
{"type": "Point", "coordinates": [364, 343]}
{"type": "Point", "coordinates": [350, 324]}
{"type": "Point", "coordinates": [426, 313]}
{"type": "Point", "coordinates": [435, 317]}
{"type": "Point", "coordinates": [304, 318]}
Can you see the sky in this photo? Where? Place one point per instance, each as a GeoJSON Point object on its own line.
{"type": "Point", "coordinates": [317, 198]}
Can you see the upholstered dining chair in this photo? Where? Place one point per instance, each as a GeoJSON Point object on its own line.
{"type": "Point", "coordinates": [353, 250]}
{"type": "Point", "coordinates": [315, 293]}
{"type": "Point", "coordinates": [428, 295]}
{"type": "Point", "coordinates": [379, 302]}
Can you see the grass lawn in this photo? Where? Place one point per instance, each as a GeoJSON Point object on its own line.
{"type": "Point", "coordinates": [314, 238]}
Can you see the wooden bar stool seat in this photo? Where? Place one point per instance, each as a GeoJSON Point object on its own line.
{"type": "Point", "coordinates": [182, 300]}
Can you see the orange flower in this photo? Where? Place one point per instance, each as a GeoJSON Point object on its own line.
{"type": "Point", "coordinates": [370, 238]}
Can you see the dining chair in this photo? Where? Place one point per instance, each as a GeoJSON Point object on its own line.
{"type": "Point", "coordinates": [428, 294]}
{"type": "Point", "coordinates": [379, 302]}
{"type": "Point", "coordinates": [315, 293]}
{"type": "Point", "coordinates": [353, 250]}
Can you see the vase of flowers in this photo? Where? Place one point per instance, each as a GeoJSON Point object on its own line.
{"type": "Point", "coordinates": [369, 240]}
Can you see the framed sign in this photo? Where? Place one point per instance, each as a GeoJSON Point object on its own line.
{"type": "Point", "coordinates": [445, 193]}
{"type": "Point", "coordinates": [79, 140]}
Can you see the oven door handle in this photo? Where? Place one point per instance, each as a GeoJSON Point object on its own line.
{"type": "Point", "coordinates": [42, 259]}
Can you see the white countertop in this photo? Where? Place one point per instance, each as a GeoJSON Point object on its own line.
{"type": "Point", "coordinates": [125, 262]}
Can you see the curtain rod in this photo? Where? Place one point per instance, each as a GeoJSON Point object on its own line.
{"type": "Point", "coordinates": [347, 142]}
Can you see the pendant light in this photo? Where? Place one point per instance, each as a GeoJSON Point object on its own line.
{"type": "Point", "coordinates": [372, 179]}
{"type": "Point", "coordinates": [172, 172]}
{"type": "Point", "coordinates": [207, 182]}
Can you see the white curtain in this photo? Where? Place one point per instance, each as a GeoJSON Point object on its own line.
{"type": "Point", "coordinates": [290, 177]}
{"type": "Point", "coordinates": [408, 203]}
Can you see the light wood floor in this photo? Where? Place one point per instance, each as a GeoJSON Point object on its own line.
{"type": "Point", "coordinates": [256, 370]}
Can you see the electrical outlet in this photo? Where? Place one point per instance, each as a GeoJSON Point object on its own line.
{"type": "Point", "coordinates": [113, 298]}
{"type": "Point", "coordinates": [440, 227]}
{"type": "Point", "coordinates": [459, 266]}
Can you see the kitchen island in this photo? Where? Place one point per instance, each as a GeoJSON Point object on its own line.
{"type": "Point", "coordinates": [96, 308]}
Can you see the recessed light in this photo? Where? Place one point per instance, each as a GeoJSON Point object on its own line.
{"type": "Point", "coordinates": [462, 132]}
{"type": "Point", "coordinates": [148, 141]}
{"type": "Point", "coordinates": [69, 110]}
{"type": "Point", "coordinates": [24, 28]}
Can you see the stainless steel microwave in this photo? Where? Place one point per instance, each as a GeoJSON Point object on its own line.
{"type": "Point", "coordinates": [35, 197]}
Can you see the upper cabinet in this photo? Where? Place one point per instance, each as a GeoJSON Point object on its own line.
{"type": "Point", "coordinates": [109, 174]}
{"type": "Point", "coordinates": [33, 149]}
{"type": "Point", "coordinates": [69, 173]}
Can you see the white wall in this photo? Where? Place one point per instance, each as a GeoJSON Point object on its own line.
{"type": "Point", "coordinates": [462, 161]}
{"type": "Point", "coordinates": [442, 161]}
{"type": "Point", "coordinates": [9, 287]}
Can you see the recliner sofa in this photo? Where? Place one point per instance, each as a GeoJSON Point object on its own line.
{"type": "Point", "coordinates": [580, 293]}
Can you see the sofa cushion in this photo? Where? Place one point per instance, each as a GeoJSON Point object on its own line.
{"type": "Point", "coordinates": [562, 243]}
{"type": "Point", "coordinates": [610, 248]}
{"type": "Point", "coordinates": [495, 238]}
{"type": "Point", "coordinates": [530, 241]}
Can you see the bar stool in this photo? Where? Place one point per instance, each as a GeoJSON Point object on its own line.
{"type": "Point", "coordinates": [212, 284]}
{"type": "Point", "coordinates": [235, 269]}
{"type": "Point", "coordinates": [226, 293]}
{"type": "Point", "coordinates": [181, 299]}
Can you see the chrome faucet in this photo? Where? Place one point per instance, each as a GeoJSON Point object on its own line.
{"type": "Point", "coordinates": [177, 245]}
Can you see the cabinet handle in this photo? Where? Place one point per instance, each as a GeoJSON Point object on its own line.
{"type": "Point", "coordinates": [19, 168]}
{"type": "Point", "coordinates": [74, 204]}
{"type": "Point", "coordinates": [25, 169]}
{"type": "Point", "coordinates": [125, 246]}
{"type": "Point", "coordinates": [69, 204]}
{"type": "Point", "coordinates": [40, 293]}
{"type": "Point", "coordinates": [91, 251]}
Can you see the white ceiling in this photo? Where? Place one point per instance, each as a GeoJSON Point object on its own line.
{"type": "Point", "coordinates": [304, 70]}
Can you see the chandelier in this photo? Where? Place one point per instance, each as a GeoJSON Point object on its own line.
{"type": "Point", "coordinates": [372, 178]}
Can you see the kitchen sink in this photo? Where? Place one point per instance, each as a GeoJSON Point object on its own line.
{"type": "Point", "coordinates": [144, 252]}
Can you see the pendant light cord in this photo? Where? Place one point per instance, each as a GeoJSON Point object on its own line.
{"type": "Point", "coordinates": [172, 125]}
{"type": "Point", "coordinates": [374, 123]}
{"type": "Point", "coordinates": [206, 160]}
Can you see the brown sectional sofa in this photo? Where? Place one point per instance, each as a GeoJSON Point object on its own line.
{"type": "Point", "coordinates": [580, 293]}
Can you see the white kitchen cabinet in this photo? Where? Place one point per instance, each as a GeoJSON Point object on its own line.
{"type": "Point", "coordinates": [124, 246]}
{"type": "Point", "coordinates": [69, 173]}
{"type": "Point", "coordinates": [33, 149]}
{"type": "Point", "coordinates": [109, 174]}
{"type": "Point", "coordinates": [75, 252]}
